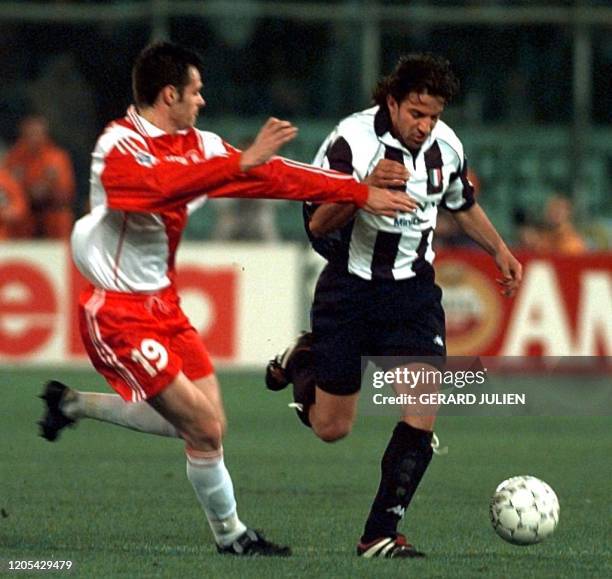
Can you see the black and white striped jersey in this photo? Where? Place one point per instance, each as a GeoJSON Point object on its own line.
{"type": "Point", "coordinates": [377, 247]}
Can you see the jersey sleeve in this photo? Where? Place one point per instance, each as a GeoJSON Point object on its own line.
{"type": "Point", "coordinates": [135, 180]}
{"type": "Point", "coordinates": [282, 178]}
{"type": "Point", "coordinates": [340, 156]}
{"type": "Point", "coordinates": [335, 153]}
{"type": "Point", "coordinates": [459, 196]}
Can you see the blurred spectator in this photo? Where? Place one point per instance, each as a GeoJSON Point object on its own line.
{"type": "Point", "coordinates": [530, 233]}
{"type": "Point", "coordinates": [554, 233]}
{"type": "Point", "coordinates": [13, 205]}
{"type": "Point", "coordinates": [560, 233]}
{"type": "Point", "coordinates": [245, 220]}
{"type": "Point", "coordinates": [46, 174]}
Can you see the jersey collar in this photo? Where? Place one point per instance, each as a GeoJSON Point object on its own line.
{"type": "Point", "coordinates": [145, 127]}
{"type": "Point", "coordinates": [382, 128]}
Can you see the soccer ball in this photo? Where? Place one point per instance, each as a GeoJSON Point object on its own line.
{"type": "Point", "coordinates": [524, 510]}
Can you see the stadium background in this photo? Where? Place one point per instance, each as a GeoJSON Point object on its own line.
{"type": "Point", "coordinates": [534, 115]}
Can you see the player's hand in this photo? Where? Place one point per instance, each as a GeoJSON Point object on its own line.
{"type": "Point", "coordinates": [271, 137]}
{"type": "Point", "coordinates": [385, 202]}
{"type": "Point", "coordinates": [388, 173]}
{"type": "Point", "coordinates": [511, 270]}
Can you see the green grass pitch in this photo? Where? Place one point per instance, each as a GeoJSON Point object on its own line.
{"type": "Point", "coordinates": [118, 504]}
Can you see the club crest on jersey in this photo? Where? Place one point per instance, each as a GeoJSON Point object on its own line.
{"type": "Point", "coordinates": [145, 159]}
{"type": "Point", "coordinates": [435, 180]}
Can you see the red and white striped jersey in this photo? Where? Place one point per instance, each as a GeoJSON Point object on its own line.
{"type": "Point", "coordinates": [144, 182]}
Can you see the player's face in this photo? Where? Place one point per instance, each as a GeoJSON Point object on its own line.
{"type": "Point", "coordinates": [415, 117]}
{"type": "Point", "coordinates": [185, 108]}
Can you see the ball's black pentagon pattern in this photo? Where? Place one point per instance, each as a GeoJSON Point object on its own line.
{"type": "Point", "coordinates": [524, 510]}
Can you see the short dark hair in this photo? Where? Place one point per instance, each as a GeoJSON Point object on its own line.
{"type": "Point", "coordinates": [421, 73]}
{"type": "Point", "coordinates": [158, 65]}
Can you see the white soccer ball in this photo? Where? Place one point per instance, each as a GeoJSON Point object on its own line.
{"type": "Point", "coordinates": [524, 510]}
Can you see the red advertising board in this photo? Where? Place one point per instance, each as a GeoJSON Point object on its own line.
{"type": "Point", "coordinates": [28, 296]}
{"type": "Point", "coordinates": [224, 290]}
{"type": "Point", "coordinates": [563, 307]}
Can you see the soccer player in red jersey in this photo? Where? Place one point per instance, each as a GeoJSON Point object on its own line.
{"type": "Point", "coordinates": [149, 169]}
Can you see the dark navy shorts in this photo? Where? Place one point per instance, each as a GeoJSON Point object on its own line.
{"type": "Point", "coordinates": [352, 317]}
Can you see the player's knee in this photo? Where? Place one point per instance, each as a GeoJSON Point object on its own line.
{"type": "Point", "coordinates": [331, 431]}
{"type": "Point", "coordinates": [204, 434]}
{"type": "Point", "coordinates": [222, 427]}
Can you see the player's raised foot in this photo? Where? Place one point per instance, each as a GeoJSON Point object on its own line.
{"type": "Point", "coordinates": [54, 420]}
{"type": "Point", "coordinates": [279, 369]}
{"type": "Point", "coordinates": [253, 544]}
{"type": "Point", "coordinates": [388, 548]}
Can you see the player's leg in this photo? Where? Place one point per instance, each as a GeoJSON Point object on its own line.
{"type": "Point", "coordinates": [65, 406]}
{"type": "Point", "coordinates": [419, 331]}
{"type": "Point", "coordinates": [143, 363]}
{"type": "Point", "coordinates": [325, 366]}
{"type": "Point", "coordinates": [209, 386]}
{"type": "Point", "coordinates": [198, 366]}
{"type": "Point", "coordinates": [206, 469]}
{"type": "Point", "coordinates": [332, 416]}
{"type": "Point", "coordinates": [118, 356]}
{"type": "Point", "coordinates": [191, 413]}
{"type": "Point", "coordinates": [183, 409]}
{"type": "Point", "coordinates": [329, 409]}
{"type": "Point", "coordinates": [189, 410]}
{"type": "Point", "coordinates": [404, 462]}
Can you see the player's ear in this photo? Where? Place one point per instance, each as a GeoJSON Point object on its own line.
{"type": "Point", "coordinates": [169, 95]}
{"type": "Point", "coordinates": [391, 104]}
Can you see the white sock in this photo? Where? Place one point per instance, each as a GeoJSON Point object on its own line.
{"type": "Point", "coordinates": [212, 484]}
{"type": "Point", "coordinates": [112, 408]}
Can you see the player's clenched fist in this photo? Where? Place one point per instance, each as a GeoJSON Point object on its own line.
{"type": "Point", "coordinates": [388, 173]}
{"type": "Point", "coordinates": [271, 137]}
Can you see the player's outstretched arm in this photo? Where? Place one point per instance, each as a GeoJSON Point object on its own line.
{"type": "Point", "coordinates": [331, 216]}
{"type": "Point", "coordinates": [270, 138]}
{"type": "Point", "coordinates": [476, 225]}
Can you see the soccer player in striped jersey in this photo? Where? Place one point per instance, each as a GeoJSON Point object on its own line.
{"type": "Point", "coordinates": [148, 171]}
{"type": "Point", "coordinates": [377, 294]}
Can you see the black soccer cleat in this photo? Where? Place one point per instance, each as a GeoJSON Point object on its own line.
{"type": "Point", "coordinates": [253, 544]}
{"type": "Point", "coordinates": [53, 420]}
{"type": "Point", "coordinates": [279, 369]}
{"type": "Point", "coordinates": [389, 548]}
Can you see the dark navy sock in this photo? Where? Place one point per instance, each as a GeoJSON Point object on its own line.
{"type": "Point", "coordinates": [304, 384]}
{"type": "Point", "coordinates": [402, 467]}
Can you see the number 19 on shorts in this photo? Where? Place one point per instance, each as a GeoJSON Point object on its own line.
{"type": "Point", "coordinates": [151, 355]}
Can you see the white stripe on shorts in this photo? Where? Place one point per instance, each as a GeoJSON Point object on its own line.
{"type": "Point", "coordinates": [104, 350]}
